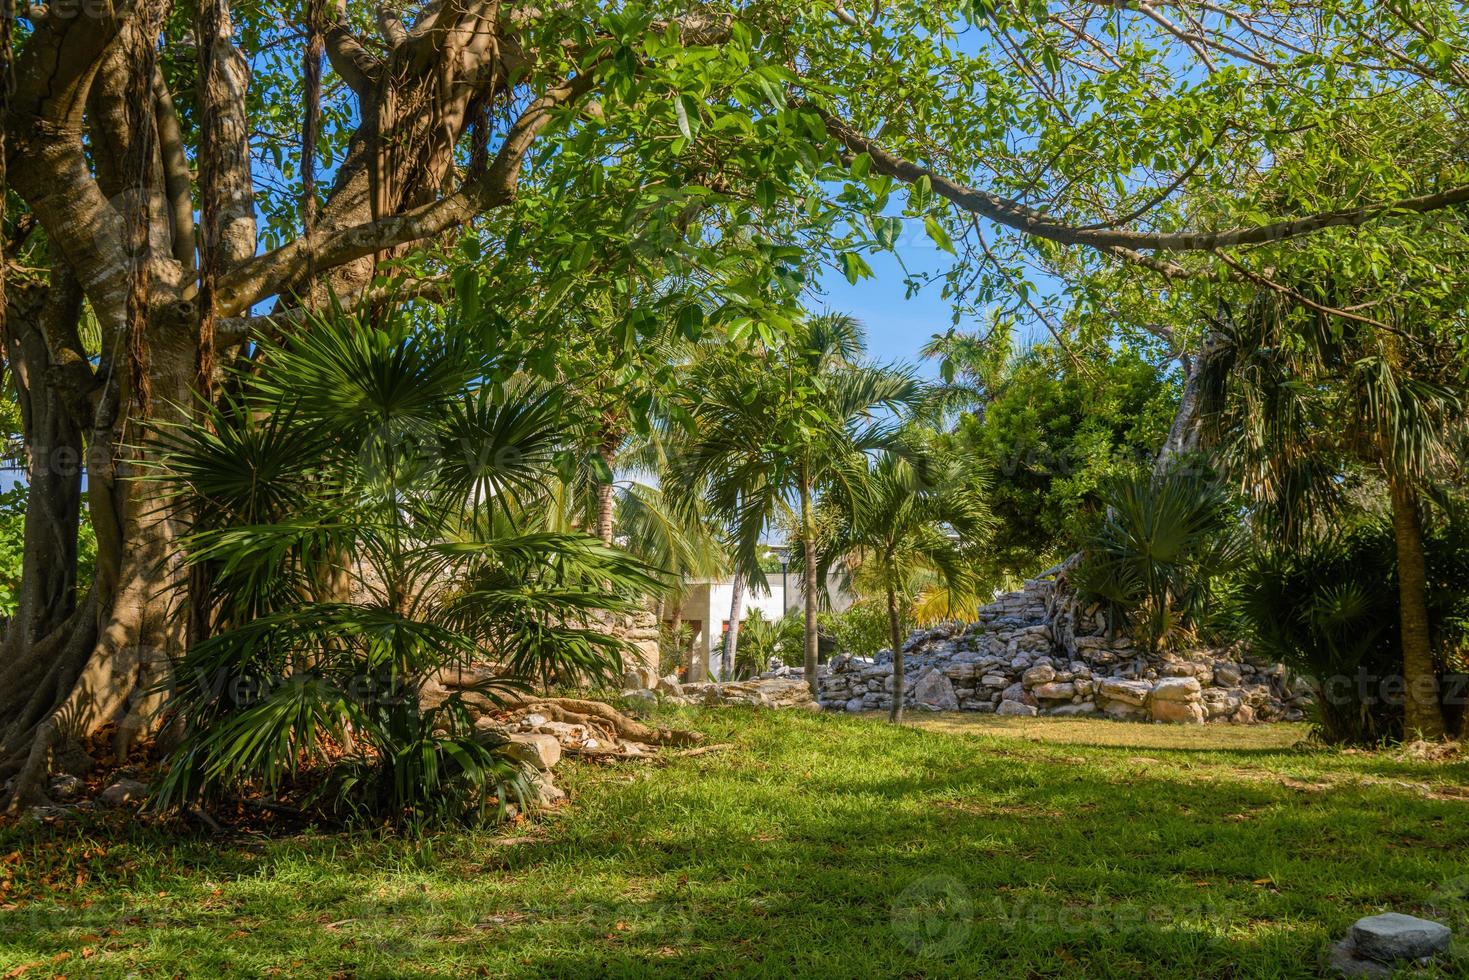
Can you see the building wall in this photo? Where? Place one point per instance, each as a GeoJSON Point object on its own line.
{"type": "Point", "coordinates": [706, 607]}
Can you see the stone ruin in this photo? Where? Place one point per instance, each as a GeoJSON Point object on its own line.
{"type": "Point", "coordinates": [1039, 652]}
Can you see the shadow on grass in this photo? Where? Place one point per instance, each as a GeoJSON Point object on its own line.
{"type": "Point", "coordinates": [820, 847]}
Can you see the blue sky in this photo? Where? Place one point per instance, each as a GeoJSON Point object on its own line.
{"type": "Point", "coordinates": [896, 326]}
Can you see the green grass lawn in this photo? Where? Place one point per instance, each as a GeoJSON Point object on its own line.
{"type": "Point", "coordinates": [816, 845]}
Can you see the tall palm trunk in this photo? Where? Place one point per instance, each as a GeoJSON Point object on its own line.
{"type": "Point", "coordinates": [675, 632]}
{"type": "Point", "coordinates": [1422, 713]}
{"type": "Point", "coordinates": [896, 715]}
{"type": "Point", "coordinates": [608, 452]}
{"type": "Point", "coordinates": [808, 577]}
{"type": "Point", "coordinates": [732, 635]}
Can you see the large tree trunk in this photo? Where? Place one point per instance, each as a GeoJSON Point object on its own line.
{"type": "Point", "coordinates": [1186, 432]}
{"type": "Point", "coordinates": [808, 579]}
{"type": "Point", "coordinates": [732, 635]}
{"type": "Point", "coordinates": [1422, 712]}
{"type": "Point", "coordinates": [894, 634]}
{"type": "Point", "coordinates": [53, 439]}
{"type": "Point", "coordinates": [116, 215]}
{"type": "Point", "coordinates": [109, 661]}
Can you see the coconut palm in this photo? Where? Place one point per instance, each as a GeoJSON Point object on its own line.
{"type": "Point", "coordinates": [373, 454]}
{"type": "Point", "coordinates": [909, 534]}
{"type": "Point", "coordinates": [1295, 399]}
{"type": "Point", "coordinates": [777, 423]}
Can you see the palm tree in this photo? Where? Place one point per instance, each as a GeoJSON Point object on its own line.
{"type": "Point", "coordinates": [973, 368]}
{"type": "Point", "coordinates": [1161, 549]}
{"type": "Point", "coordinates": [775, 424]}
{"type": "Point", "coordinates": [373, 452]}
{"type": "Point", "coordinates": [1295, 398]}
{"type": "Point", "coordinates": [910, 534]}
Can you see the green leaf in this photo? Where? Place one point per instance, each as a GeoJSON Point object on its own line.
{"type": "Point", "coordinates": [854, 267]}
{"type": "Point", "coordinates": [683, 118]}
{"type": "Point", "coordinates": [939, 234]}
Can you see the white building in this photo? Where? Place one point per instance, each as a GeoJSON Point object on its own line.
{"type": "Point", "coordinates": [706, 608]}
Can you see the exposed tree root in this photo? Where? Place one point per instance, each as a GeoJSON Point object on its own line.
{"type": "Point", "coordinates": [595, 714]}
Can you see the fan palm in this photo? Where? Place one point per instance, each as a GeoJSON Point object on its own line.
{"type": "Point", "coordinates": [1165, 542]}
{"type": "Point", "coordinates": [910, 534]}
{"type": "Point", "coordinates": [774, 425]}
{"type": "Point", "coordinates": [372, 454]}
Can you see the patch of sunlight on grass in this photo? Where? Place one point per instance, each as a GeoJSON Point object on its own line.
{"type": "Point", "coordinates": [1116, 734]}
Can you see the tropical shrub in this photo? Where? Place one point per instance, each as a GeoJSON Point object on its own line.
{"type": "Point", "coordinates": [1329, 609]}
{"type": "Point", "coordinates": [675, 646]}
{"type": "Point", "coordinates": [355, 527]}
{"type": "Point", "coordinates": [1162, 556]}
{"type": "Point", "coordinates": [1051, 429]}
{"type": "Point", "coordinates": [761, 640]}
{"type": "Point", "coordinates": [861, 629]}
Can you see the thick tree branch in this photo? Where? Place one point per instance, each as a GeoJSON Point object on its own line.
{"type": "Point", "coordinates": [279, 270]}
{"type": "Point", "coordinates": [1021, 217]}
{"type": "Point", "coordinates": [235, 330]}
{"type": "Point", "coordinates": [349, 59]}
{"type": "Point", "coordinates": [390, 23]}
{"type": "Point", "coordinates": [177, 181]}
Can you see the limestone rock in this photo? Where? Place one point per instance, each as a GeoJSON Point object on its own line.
{"type": "Point", "coordinates": [669, 684]}
{"type": "Point", "coordinates": [534, 749]}
{"type": "Point", "coordinates": [1124, 711]}
{"type": "Point", "coordinates": [1039, 674]}
{"type": "Point", "coordinates": [546, 793]}
{"type": "Point", "coordinates": [1017, 692]}
{"type": "Point", "coordinates": [1055, 691]}
{"type": "Point", "coordinates": [1177, 689]}
{"type": "Point", "coordinates": [1016, 708]}
{"type": "Point", "coordinates": [934, 688]}
{"type": "Point", "coordinates": [1128, 692]}
{"type": "Point", "coordinates": [122, 792]}
{"type": "Point", "coordinates": [1179, 712]}
{"type": "Point", "coordinates": [1228, 675]}
{"type": "Point", "coordinates": [1343, 961]}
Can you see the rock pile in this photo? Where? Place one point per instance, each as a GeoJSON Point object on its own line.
{"type": "Point", "coordinates": [1036, 652]}
{"type": "Point", "coordinates": [782, 690]}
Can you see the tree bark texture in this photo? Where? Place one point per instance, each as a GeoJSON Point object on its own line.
{"type": "Point", "coordinates": [732, 635]}
{"type": "Point", "coordinates": [1422, 712]}
{"type": "Point", "coordinates": [104, 173]}
{"type": "Point", "coordinates": [894, 635]}
{"type": "Point", "coordinates": [808, 579]}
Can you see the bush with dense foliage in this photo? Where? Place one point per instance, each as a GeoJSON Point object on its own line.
{"type": "Point", "coordinates": [1051, 433]}
{"type": "Point", "coordinates": [861, 629]}
{"type": "Point", "coordinates": [1329, 609]}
